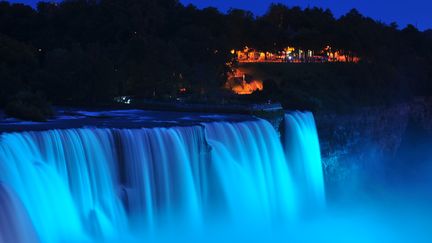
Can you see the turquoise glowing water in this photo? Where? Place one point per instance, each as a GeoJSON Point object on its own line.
{"type": "Point", "coordinates": [102, 184]}
{"type": "Point", "coordinates": [216, 181]}
{"type": "Point", "coordinates": [302, 151]}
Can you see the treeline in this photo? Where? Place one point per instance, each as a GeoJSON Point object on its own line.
{"type": "Point", "coordinates": [88, 51]}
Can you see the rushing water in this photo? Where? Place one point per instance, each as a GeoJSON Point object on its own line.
{"type": "Point", "coordinates": [95, 184]}
{"type": "Point", "coordinates": [302, 150]}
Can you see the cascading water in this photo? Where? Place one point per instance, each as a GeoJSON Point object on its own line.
{"type": "Point", "coordinates": [14, 221]}
{"type": "Point", "coordinates": [164, 172]}
{"type": "Point", "coordinates": [97, 184]}
{"type": "Point", "coordinates": [251, 168]}
{"type": "Point", "coordinates": [302, 151]}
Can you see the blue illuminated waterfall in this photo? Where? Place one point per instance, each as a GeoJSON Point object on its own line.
{"type": "Point", "coordinates": [15, 225]}
{"type": "Point", "coordinates": [251, 170]}
{"type": "Point", "coordinates": [303, 154]}
{"type": "Point", "coordinates": [90, 184]}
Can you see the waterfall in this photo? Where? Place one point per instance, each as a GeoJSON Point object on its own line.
{"type": "Point", "coordinates": [65, 179]}
{"type": "Point", "coordinates": [302, 151]}
{"type": "Point", "coordinates": [250, 166]}
{"type": "Point", "coordinates": [91, 184]}
{"type": "Point", "coordinates": [14, 219]}
{"type": "Point", "coordinates": [164, 173]}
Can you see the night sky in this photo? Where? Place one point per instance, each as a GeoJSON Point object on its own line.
{"type": "Point", "coordinates": [416, 12]}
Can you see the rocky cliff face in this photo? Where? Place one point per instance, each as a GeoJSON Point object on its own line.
{"type": "Point", "coordinates": [358, 147]}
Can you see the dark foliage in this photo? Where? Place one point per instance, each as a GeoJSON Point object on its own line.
{"type": "Point", "coordinates": [88, 51]}
{"type": "Point", "coordinates": [29, 106]}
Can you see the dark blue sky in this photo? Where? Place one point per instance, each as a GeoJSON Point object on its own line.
{"type": "Point", "coordinates": [417, 12]}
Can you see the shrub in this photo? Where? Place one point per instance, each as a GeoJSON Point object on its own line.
{"type": "Point", "coordinates": [29, 106]}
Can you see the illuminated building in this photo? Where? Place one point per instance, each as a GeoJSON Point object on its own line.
{"type": "Point", "coordinates": [294, 55]}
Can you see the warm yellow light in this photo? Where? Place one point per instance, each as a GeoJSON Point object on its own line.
{"type": "Point", "coordinates": [248, 88]}
{"type": "Point", "coordinates": [291, 54]}
{"type": "Point", "coordinates": [290, 50]}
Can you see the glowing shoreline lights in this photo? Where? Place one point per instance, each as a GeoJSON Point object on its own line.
{"type": "Point", "coordinates": [240, 85]}
{"type": "Point", "coordinates": [106, 184]}
{"type": "Point", "coordinates": [294, 55]}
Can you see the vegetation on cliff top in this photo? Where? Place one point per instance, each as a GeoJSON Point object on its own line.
{"type": "Point", "coordinates": [87, 52]}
